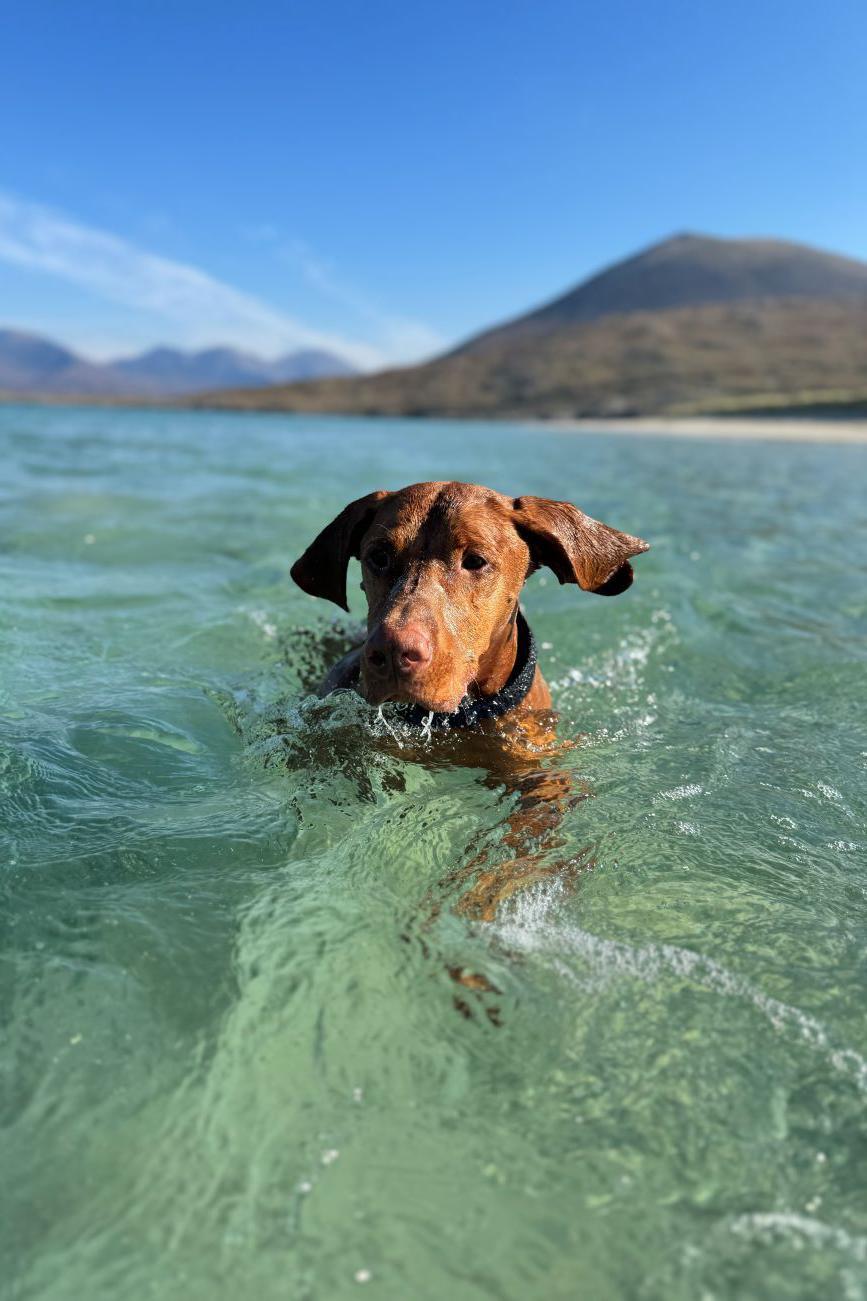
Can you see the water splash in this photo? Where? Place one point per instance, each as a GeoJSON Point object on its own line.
{"type": "Point", "coordinates": [534, 927]}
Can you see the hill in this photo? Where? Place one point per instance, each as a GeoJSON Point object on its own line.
{"type": "Point", "coordinates": [169, 370]}
{"type": "Point", "coordinates": [30, 364]}
{"type": "Point", "coordinates": [693, 271]}
{"type": "Point", "coordinates": [692, 324]}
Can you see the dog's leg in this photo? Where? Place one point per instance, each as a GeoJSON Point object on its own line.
{"type": "Point", "coordinates": [542, 798]}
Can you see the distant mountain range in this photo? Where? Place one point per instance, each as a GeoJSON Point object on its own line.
{"type": "Point", "coordinates": [30, 364]}
{"type": "Point", "coordinates": [691, 324]}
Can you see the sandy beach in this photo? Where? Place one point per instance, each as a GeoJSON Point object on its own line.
{"type": "Point", "coordinates": [756, 427]}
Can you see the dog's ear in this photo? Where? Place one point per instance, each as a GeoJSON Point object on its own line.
{"type": "Point", "coordinates": [579, 549]}
{"type": "Point", "coordinates": [321, 571]}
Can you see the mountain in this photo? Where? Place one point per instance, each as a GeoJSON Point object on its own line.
{"type": "Point", "coordinates": [168, 370]}
{"type": "Point", "coordinates": [693, 271]}
{"type": "Point", "coordinates": [311, 363]}
{"type": "Point", "coordinates": [30, 364]}
{"type": "Point", "coordinates": [694, 323]}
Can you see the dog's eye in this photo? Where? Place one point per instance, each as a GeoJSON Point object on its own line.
{"type": "Point", "coordinates": [378, 557]}
{"type": "Point", "coordinates": [472, 560]}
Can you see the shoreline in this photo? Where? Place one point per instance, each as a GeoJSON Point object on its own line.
{"type": "Point", "coordinates": [737, 428]}
{"type": "Point", "coordinates": [791, 429]}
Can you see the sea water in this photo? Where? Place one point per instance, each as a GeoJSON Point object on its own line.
{"type": "Point", "coordinates": [231, 1063]}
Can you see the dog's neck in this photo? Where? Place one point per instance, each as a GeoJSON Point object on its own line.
{"type": "Point", "coordinates": [498, 661]}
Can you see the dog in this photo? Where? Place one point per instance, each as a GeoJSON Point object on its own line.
{"type": "Point", "coordinates": [443, 565]}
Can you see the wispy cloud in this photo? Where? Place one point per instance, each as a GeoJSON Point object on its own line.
{"type": "Point", "coordinates": [207, 309]}
{"type": "Point", "coordinates": [398, 337]}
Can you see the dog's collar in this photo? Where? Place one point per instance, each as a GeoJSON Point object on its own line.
{"type": "Point", "coordinates": [474, 709]}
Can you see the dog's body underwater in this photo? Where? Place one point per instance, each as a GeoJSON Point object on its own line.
{"type": "Point", "coordinates": [443, 565]}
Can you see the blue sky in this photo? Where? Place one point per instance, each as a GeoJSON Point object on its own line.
{"type": "Point", "coordinates": [387, 178]}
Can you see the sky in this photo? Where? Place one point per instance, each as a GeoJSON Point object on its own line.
{"type": "Point", "coordinates": [385, 179]}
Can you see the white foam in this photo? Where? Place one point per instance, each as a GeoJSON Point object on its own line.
{"type": "Point", "coordinates": [528, 926]}
{"type": "Point", "coordinates": [789, 1224]}
{"type": "Point", "coordinates": [261, 620]}
{"type": "Point", "coordinates": [680, 792]}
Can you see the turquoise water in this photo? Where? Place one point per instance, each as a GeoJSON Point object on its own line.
{"type": "Point", "coordinates": [229, 1065]}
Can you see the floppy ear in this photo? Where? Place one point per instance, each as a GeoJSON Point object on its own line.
{"type": "Point", "coordinates": [321, 571]}
{"type": "Point", "coordinates": [579, 549]}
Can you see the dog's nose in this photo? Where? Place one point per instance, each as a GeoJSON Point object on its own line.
{"type": "Point", "coordinates": [405, 650]}
{"type": "Point", "coordinates": [412, 648]}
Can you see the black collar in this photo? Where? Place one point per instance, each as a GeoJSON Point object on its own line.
{"type": "Point", "coordinates": [474, 709]}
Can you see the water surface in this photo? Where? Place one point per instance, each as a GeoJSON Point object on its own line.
{"type": "Point", "coordinates": [228, 1065]}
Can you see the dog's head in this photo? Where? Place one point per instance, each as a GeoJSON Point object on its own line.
{"type": "Point", "coordinates": [443, 565]}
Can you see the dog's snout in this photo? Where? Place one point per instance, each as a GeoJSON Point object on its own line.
{"type": "Point", "coordinates": [413, 648]}
{"type": "Point", "coordinates": [403, 651]}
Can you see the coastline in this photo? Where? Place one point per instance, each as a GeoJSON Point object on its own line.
{"type": "Point", "coordinates": [792, 429]}
{"type": "Point", "coordinates": [767, 428]}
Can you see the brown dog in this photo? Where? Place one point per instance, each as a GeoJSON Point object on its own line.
{"type": "Point", "coordinates": [443, 565]}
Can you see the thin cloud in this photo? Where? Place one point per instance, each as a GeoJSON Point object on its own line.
{"type": "Point", "coordinates": [398, 337]}
{"type": "Point", "coordinates": [210, 311]}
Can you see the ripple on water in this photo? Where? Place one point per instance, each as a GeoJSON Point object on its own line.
{"type": "Point", "coordinates": [232, 1062]}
